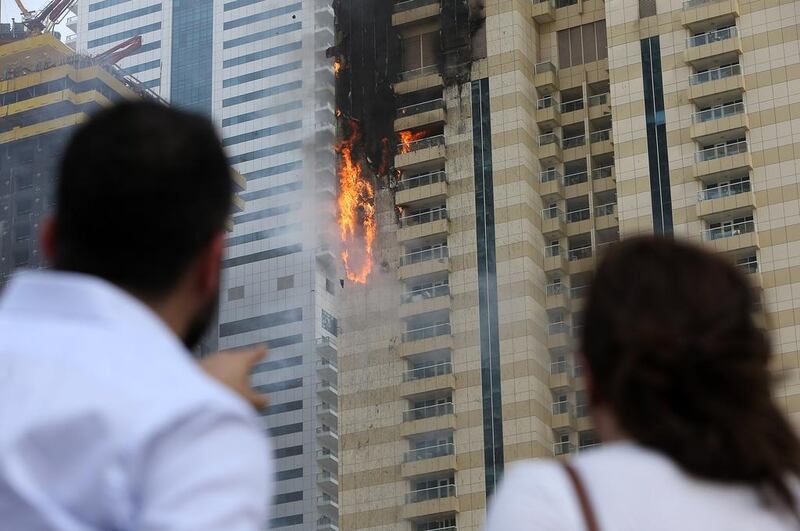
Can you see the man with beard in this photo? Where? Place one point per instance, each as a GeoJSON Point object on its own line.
{"type": "Point", "coordinates": [106, 422]}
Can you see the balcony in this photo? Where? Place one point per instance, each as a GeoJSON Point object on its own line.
{"type": "Point", "coordinates": [327, 391]}
{"type": "Point", "coordinates": [604, 179]}
{"type": "Point", "coordinates": [573, 142]}
{"type": "Point", "coordinates": [561, 375]}
{"type": "Point", "coordinates": [421, 187]}
{"type": "Point", "coordinates": [581, 219]}
{"type": "Point", "coordinates": [423, 224]}
{"type": "Point", "coordinates": [328, 504]}
{"type": "Point", "coordinates": [419, 79]}
{"type": "Point", "coordinates": [711, 122]}
{"type": "Point", "coordinates": [327, 368]}
{"type": "Point", "coordinates": [599, 105]}
{"type": "Point", "coordinates": [412, 11]}
{"type": "Point", "coordinates": [420, 114]}
{"type": "Point", "coordinates": [718, 159]}
{"type": "Point", "coordinates": [327, 412]}
{"type": "Point", "coordinates": [421, 380]}
{"type": "Point", "coordinates": [601, 142]}
{"type": "Point", "coordinates": [580, 259]}
{"type": "Point", "coordinates": [553, 223]}
{"type": "Point", "coordinates": [556, 296]}
{"type": "Point", "coordinates": [605, 216]}
{"type": "Point", "coordinates": [547, 112]}
{"type": "Point", "coordinates": [327, 457]}
{"type": "Point", "coordinates": [578, 292]}
{"type": "Point", "coordinates": [575, 178]}
{"type": "Point", "coordinates": [326, 346]}
{"type": "Point", "coordinates": [543, 11]}
{"type": "Point", "coordinates": [554, 259]}
{"type": "Point", "coordinates": [725, 198]}
{"type": "Point", "coordinates": [550, 183]}
{"type": "Point", "coordinates": [715, 82]}
{"type": "Point", "coordinates": [426, 339]}
{"type": "Point", "coordinates": [713, 43]}
{"type": "Point", "coordinates": [327, 435]}
{"type": "Point", "coordinates": [325, 523]}
{"type": "Point", "coordinates": [429, 460]}
{"type": "Point", "coordinates": [563, 448]}
{"type": "Point", "coordinates": [428, 418]}
{"type": "Point", "coordinates": [424, 300]}
{"type": "Point", "coordinates": [424, 262]}
{"type": "Point", "coordinates": [422, 151]}
{"type": "Point", "coordinates": [549, 147]}
{"type": "Point", "coordinates": [695, 11]}
{"type": "Point", "coordinates": [732, 237]}
{"type": "Point", "coordinates": [563, 416]}
{"type": "Point", "coordinates": [570, 111]}
{"type": "Point", "coordinates": [430, 501]}
{"type": "Point", "coordinates": [545, 76]}
{"type": "Point", "coordinates": [557, 334]}
{"type": "Point", "coordinates": [72, 23]}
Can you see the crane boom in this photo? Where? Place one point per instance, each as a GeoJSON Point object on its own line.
{"type": "Point", "coordinates": [22, 9]}
{"type": "Point", "coordinates": [119, 52]}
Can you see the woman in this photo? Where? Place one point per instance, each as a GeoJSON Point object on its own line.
{"type": "Point", "coordinates": [679, 387]}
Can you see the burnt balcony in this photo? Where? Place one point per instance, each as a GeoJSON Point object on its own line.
{"type": "Point", "coordinates": [422, 151]}
{"type": "Point", "coordinates": [420, 114]}
{"type": "Point", "coordinates": [413, 11]}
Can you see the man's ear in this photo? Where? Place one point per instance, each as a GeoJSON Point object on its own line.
{"type": "Point", "coordinates": [47, 238]}
{"type": "Point", "coordinates": [209, 265]}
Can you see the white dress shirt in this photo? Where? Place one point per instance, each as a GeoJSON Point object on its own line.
{"type": "Point", "coordinates": [106, 423]}
{"type": "Point", "coordinates": [630, 488]}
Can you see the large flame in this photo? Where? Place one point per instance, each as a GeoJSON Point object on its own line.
{"type": "Point", "coordinates": [337, 66]}
{"type": "Point", "coordinates": [357, 227]}
{"type": "Point", "coordinates": [406, 137]}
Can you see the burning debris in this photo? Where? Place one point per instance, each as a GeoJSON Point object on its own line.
{"type": "Point", "coordinates": [356, 218]}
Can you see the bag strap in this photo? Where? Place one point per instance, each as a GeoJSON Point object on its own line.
{"type": "Point", "coordinates": [583, 499]}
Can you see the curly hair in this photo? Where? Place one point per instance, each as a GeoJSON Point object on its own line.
{"type": "Point", "coordinates": [675, 350]}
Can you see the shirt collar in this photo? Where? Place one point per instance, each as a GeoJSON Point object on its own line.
{"type": "Point", "coordinates": [76, 296]}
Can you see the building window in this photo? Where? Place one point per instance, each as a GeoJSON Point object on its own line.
{"type": "Point", "coordinates": [330, 287]}
{"type": "Point", "coordinates": [286, 282]}
{"type": "Point", "coordinates": [420, 51]}
{"type": "Point", "coordinates": [235, 294]}
{"type": "Point", "coordinates": [329, 323]}
{"type": "Point", "coordinates": [647, 8]}
{"type": "Point", "coordinates": [582, 44]}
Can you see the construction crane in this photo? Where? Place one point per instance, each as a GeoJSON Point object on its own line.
{"type": "Point", "coordinates": [118, 52]}
{"type": "Point", "coordinates": [45, 20]}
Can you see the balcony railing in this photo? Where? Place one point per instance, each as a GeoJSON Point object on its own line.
{"type": "Point", "coordinates": [327, 430]}
{"type": "Point", "coordinates": [583, 447]}
{"type": "Point", "coordinates": [574, 141]}
{"type": "Point", "coordinates": [715, 74]}
{"type": "Point", "coordinates": [572, 105]}
{"type": "Point", "coordinates": [605, 210]}
{"type": "Point", "coordinates": [324, 363]}
{"type": "Point", "coordinates": [556, 288]}
{"type": "Point", "coordinates": [422, 143]}
{"type": "Point", "coordinates": [551, 251]}
{"type": "Point", "coordinates": [417, 334]}
{"type": "Point", "coordinates": [565, 3]}
{"type": "Point", "coordinates": [579, 215]}
{"type": "Point", "coordinates": [578, 292]}
{"type": "Point", "coordinates": [326, 342]}
{"type": "Point", "coordinates": [748, 266]}
{"type": "Point", "coordinates": [600, 136]}
{"type": "Point", "coordinates": [562, 448]}
{"type": "Point", "coordinates": [577, 331]}
{"type": "Point", "coordinates": [423, 217]}
{"type": "Point", "coordinates": [426, 412]}
{"type": "Point", "coordinates": [718, 152]}
{"type": "Point", "coordinates": [579, 253]}
{"type": "Point", "coordinates": [598, 99]}
{"type": "Point", "coordinates": [431, 493]}
{"type": "Point", "coordinates": [559, 327]}
{"type": "Point", "coordinates": [582, 410]}
{"type": "Point", "coordinates": [325, 385]}
{"type": "Point", "coordinates": [423, 179]}
{"type": "Point", "coordinates": [327, 523]}
{"type": "Point", "coordinates": [727, 231]}
{"type": "Point", "coordinates": [429, 452]}
{"type": "Point", "coordinates": [552, 212]}
{"type": "Point", "coordinates": [562, 407]}
{"type": "Point", "coordinates": [546, 102]}
{"type": "Point", "coordinates": [724, 190]}
{"type": "Point", "coordinates": [712, 36]}
{"type": "Point", "coordinates": [419, 72]}
{"type": "Point", "coordinates": [550, 175]}
{"type": "Point", "coordinates": [691, 4]}
{"type": "Point", "coordinates": [575, 178]}
{"type": "Point", "coordinates": [429, 371]}
{"type": "Point", "coordinates": [548, 138]}
{"type": "Point", "coordinates": [560, 367]}
{"type": "Point", "coordinates": [412, 4]}
{"type": "Point", "coordinates": [327, 499]}
{"type": "Point", "coordinates": [603, 172]}
{"type": "Point", "coordinates": [716, 113]}
{"type": "Point", "coordinates": [544, 66]}
{"type": "Point", "coordinates": [434, 253]}
{"type": "Point", "coordinates": [327, 452]}
{"type": "Point", "coordinates": [430, 292]}
{"type": "Point", "coordinates": [417, 108]}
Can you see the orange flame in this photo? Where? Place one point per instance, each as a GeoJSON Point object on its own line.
{"type": "Point", "coordinates": [337, 66]}
{"type": "Point", "coordinates": [357, 226]}
{"type": "Point", "coordinates": [406, 137]}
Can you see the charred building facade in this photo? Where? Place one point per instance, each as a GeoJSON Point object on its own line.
{"type": "Point", "coordinates": [524, 138]}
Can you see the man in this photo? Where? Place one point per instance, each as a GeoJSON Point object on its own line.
{"type": "Point", "coordinates": [106, 422]}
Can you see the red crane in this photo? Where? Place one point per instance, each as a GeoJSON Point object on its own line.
{"type": "Point", "coordinates": [118, 52]}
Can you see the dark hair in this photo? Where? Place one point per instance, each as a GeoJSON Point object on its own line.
{"type": "Point", "coordinates": [142, 189]}
{"type": "Point", "coordinates": [675, 350]}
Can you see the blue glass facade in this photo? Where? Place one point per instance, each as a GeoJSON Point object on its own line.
{"type": "Point", "coordinates": [192, 27]}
